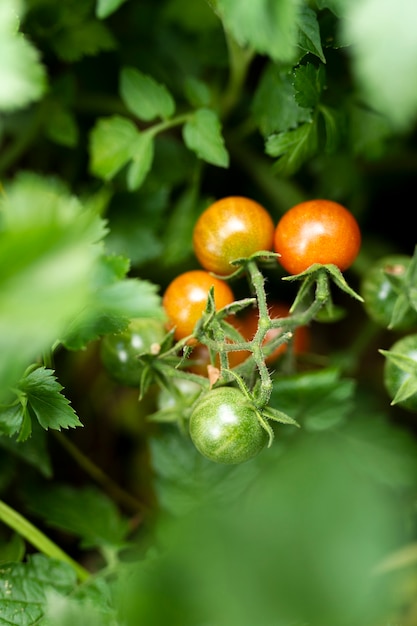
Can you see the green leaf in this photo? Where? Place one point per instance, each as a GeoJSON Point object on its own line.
{"type": "Point", "coordinates": [24, 588]}
{"type": "Point", "coordinates": [308, 84]}
{"type": "Point", "coordinates": [112, 303]}
{"type": "Point", "coordinates": [383, 55]}
{"type": "Point", "coordinates": [202, 134]}
{"type": "Point", "coordinates": [48, 252]}
{"type": "Point", "coordinates": [85, 512]}
{"type": "Point", "coordinates": [33, 451]}
{"type": "Point", "coordinates": [144, 96]}
{"type": "Point", "coordinates": [310, 398]}
{"type": "Point", "coordinates": [309, 35]}
{"type": "Point", "coordinates": [143, 154]}
{"type": "Point", "coordinates": [293, 147]}
{"type": "Point", "coordinates": [112, 143]}
{"type": "Point", "coordinates": [91, 605]}
{"type": "Point", "coordinates": [22, 76]}
{"type": "Point", "coordinates": [268, 27]}
{"type": "Point", "coordinates": [12, 550]}
{"type": "Point", "coordinates": [83, 37]}
{"type": "Point", "coordinates": [44, 398]}
{"type": "Point", "coordinates": [62, 126]}
{"type": "Point", "coordinates": [104, 8]}
{"type": "Point", "coordinates": [184, 478]}
{"type": "Point", "coordinates": [274, 105]}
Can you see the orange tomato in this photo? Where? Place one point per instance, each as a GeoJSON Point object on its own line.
{"type": "Point", "coordinates": [317, 231]}
{"type": "Point", "coordinates": [231, 228]}
{"type": "Point", "coordinates": [186, 296]}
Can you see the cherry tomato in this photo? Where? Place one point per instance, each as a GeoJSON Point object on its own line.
{"type": "Point", "coordinates": [185, 299]}
{"type": "Point", "coordinates": [380, 296]}
{"type": "Point", "coordinates": [247, 325]}
{"type": "Point", "coordinates": [395, 376]}
{"type": "Point", "coordinates": [317, 231]}
{"type": "Point", "coordinates": [225, 428]}
{"type": "Point", "coordinates": [231, 228]}
{"type": "Point", "coordinates": [119, 352]}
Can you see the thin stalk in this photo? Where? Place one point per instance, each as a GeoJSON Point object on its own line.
{"type": "Point", "coordinates": [118, 494]}
{"type": "Point", "coordinates": [38, 539]}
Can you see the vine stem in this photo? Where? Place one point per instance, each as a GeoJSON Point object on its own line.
{"type": "Point", "coordinates": [38, 539]}
{"type": "Point", "coordinates": [96, 473]}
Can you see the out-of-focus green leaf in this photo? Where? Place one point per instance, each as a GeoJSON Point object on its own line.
{"type": "Point", "coordinates": [104, 8]}
{"type": "Point", "coordinates": [309, 35]}
{"type": "Point", "coordinates": [62, 126]}
{"type": "Point", "coordinates": [33, 451]}
{"type": "Point", "coordinates": [311, 398]}
{"type": "Point", "coordinates": [48, 254]}
{"type": "Point", "coordinates": [268, 27]}
{"type": "Point", "coordinates": [202, 134]}
{"type": "Point", "coordinates": [87, 513]}
{"type": "Point", "coordinates": [25, 586]}
{"type": "Point", "coordinates": [144, 96]}
{"type": "Point", "coordinates": [274, 105]}
{"type": "Point", "coordinates": [112, 142]}
{"type": "Point", "coordinates": [88, 37]}
{"type": "Point", "coordinates": [112, 304]}
{"type": "Point", "coordinates": [23, 78]}
{"type": "Point", "coordinates": [383, 53]}
{"type": "Point", "coordinates": [12, 550]}
{"type": "Point", "coordinates": [92, 605]}
{"type": "Point", "coordinates": [309, 83]}
{"type": "Point", "coordinates": [143, 153]}
{"type": "Point", "coordinates": [293, 147]}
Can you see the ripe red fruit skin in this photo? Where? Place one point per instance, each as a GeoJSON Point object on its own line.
{"type": "Point", "coordinates": [317, 231]}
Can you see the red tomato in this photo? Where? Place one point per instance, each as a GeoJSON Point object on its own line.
{"type": "Point", "coordinates": [317, 231]}
{"type": "Point", "coordinates": [231, 228]}
{"type": "Point", "coordinates": [185, 299]}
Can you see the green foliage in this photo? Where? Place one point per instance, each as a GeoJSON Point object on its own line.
{"type": "Point", "coordinates": [120, 122]}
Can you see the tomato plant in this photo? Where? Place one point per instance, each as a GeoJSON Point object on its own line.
{"type": "Point", "coordinates": [231, 228]}
{"type": "Point", "coordinates": [381, 288]}
{"type": "Point", "coordinates": [400, 372]}
{"type": "Point", "coordinates": [119, 352]}
{"type": "Point", "coordinates": [317, 231]}
{"type": "Point", "coordinates": [225, 426]}
{"type": "Point", "coordinates": [185, 299]}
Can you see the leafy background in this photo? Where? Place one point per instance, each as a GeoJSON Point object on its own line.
{"type": "Point", "coordinates": [119, 122]}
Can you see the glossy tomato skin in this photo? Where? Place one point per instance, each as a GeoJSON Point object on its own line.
{"type": "Point", "coordinates": [394, 376]}
{"type": "Point", "coordinates": [317, 231]}
{"type": "Point", "coordinates": [185, 299]}
{"type": "Point", "coordinates": [231, 228]}
{"type": "Point", "coordinates": [379, 294]}
{"type": "Point", "coordinates": [225, 428]}
{"type": "Point", "coordinates": [119, 351]}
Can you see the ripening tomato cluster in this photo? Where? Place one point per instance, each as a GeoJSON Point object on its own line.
{"type": "Point", "coordinates": [233, 228]}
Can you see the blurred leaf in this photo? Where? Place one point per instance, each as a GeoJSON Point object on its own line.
{"type": "Point", "coordinates": [274, 105]}
{"type": "Point", "coordinates": [87, 513]}
{"type": "Point", "coordinates": [112, 142]}
{"type": "Point", "coordinates": [112, 304]}
{"type": "Point", "coordinates": [185, 479]}
{"type": "Point", "coordinates": [34, 451]}
{"type": "Point", "coordinates": [87, 37]}
{"type": "Point", "coordinates": [104, 8]}
{"type": "Point", "coordinates": [13, 550]}
{"type": "Point", "coordinates": [144, 96]}
{"type": "Point", "coordinates": [62, 126]}
{"type": "Point", "coordinates": [309, 36]}
{"type": "Point", "coordinates": [311, 397]}
{"type": "Point", "coordinates": [24, 587]}
{"type": "Point", "coordinates": [48, 253]}
{"type": "Point", "coordinates": [309, 83]}
{"type": "Point", "coordinates": [383, 52]}
{"type": "Point", "coordinates": [143, 153]}
{"type": "Point", "coordinates": [268, 27]}
{"type": "Point", "coordinates": [23, 78]}
{"type": "Point", "coordinates": [92, 605]}
{"type": "Point", "coordinates": [202, 134]}
{"type": "Point", "coordinates": [293, 147]}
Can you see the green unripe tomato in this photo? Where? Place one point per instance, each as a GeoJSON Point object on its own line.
{"type": "Point", "coordinates": [119, 352]}
{"type": "Point", "coordinates": [225, 427]}
{"type": "Point", "coordinates": [380, 295]}
{"type": "Point", "coordinates": [395, 376]}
